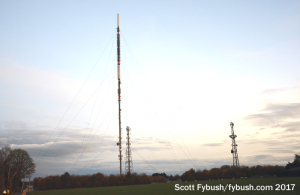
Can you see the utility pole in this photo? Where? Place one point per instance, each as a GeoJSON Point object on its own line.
{"type": "Point", "coordinates": [234, 149]}
{"type": "Point", "coordinates": [23, 184]}
{"type": "Point", "coordinates": [29, 180]}
{"type": "Point", "coordinates": [128, 163]}
{"type": "Point", "coordinates": [119, 96]}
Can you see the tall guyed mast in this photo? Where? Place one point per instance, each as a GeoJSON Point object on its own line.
{"type": "Point", "coordinates": [119, 97]}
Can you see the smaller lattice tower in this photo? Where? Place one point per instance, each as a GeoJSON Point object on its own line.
{"type": "Point", "coordinates": [128, 157]}
{"type": "Point", "coordinates": [234, 149]}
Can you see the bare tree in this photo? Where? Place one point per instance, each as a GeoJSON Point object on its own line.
{"type": "Point", "coordinates": [4, 153]}
{"type": "Point", "coordinates": [5, 158]}
{"type": "Point", "coordinates": [21, 161]}
{"type": "Point", "coordinates": [17, 165]}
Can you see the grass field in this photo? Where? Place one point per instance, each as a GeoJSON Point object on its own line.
{"type": "Point", "coordinates": [169, 188]}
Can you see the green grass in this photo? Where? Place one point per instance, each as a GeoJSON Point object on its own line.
{"type": "Point", "coordinates": [169, 188]}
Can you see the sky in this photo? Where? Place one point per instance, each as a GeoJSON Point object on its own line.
{"type": "Point", "coordinates": [188, 68]}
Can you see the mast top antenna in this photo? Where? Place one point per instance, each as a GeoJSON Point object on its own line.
{"type": "Point", "coordinates": [118, 20]}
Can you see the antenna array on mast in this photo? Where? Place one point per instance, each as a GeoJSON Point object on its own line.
{"type": "Point", "coordinates": [234, 149]}
{"type": "Point", "coordinates": [128, 157]}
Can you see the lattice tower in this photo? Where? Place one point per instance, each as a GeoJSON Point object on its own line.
{"type": "Point", "coordinates": [234, 149]}
{"type": "Point", "coordinates": [128, 157]}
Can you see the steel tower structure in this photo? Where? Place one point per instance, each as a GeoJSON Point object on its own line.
{"type": "Point", "coordinates": [119, 96]}
{"type": "Point", "coordinates": [128, 157]}
{"type": "Point", "coordinates": [234, 149]}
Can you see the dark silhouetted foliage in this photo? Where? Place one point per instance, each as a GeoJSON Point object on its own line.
{"type": "Point", "coordinates": [96, 180]}
{"type": "Point", "coordinates": [17, 164]}
{"type": "Point", "coordinates": [1, 176]}
{"type": "Point", "coordinates": [295, 163]}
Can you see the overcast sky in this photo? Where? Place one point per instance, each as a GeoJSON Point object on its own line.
{"type": "Point", "coordinates": [188, 68]}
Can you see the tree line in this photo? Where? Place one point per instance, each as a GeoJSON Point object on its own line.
{"type": "Point", "coordinates": [67, 181]}
{"type": "Point", "coordinates": [229, 172]}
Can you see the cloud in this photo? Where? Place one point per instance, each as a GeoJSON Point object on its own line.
{"type": "Point", "coordinates": [276, 112]}
{"type": "Point", "coordinates": [279, 90]}
{"type": "Point", "coordinates": [213, 144]}
{"type": "Point", "coordinates": [265, 160]}
{"type": "Point", "coordinates": [292, 127]}
{"type": "Point", "coordinates": [57, 144]}
{"type": "Point", "coordinates": [278, 151]}
{"type": "Point", "coordinates": [273, 142]}
{"type": "Point", "coordinates": [277, 116]}
{"type": "Point", "coordinates": [69, 145]}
